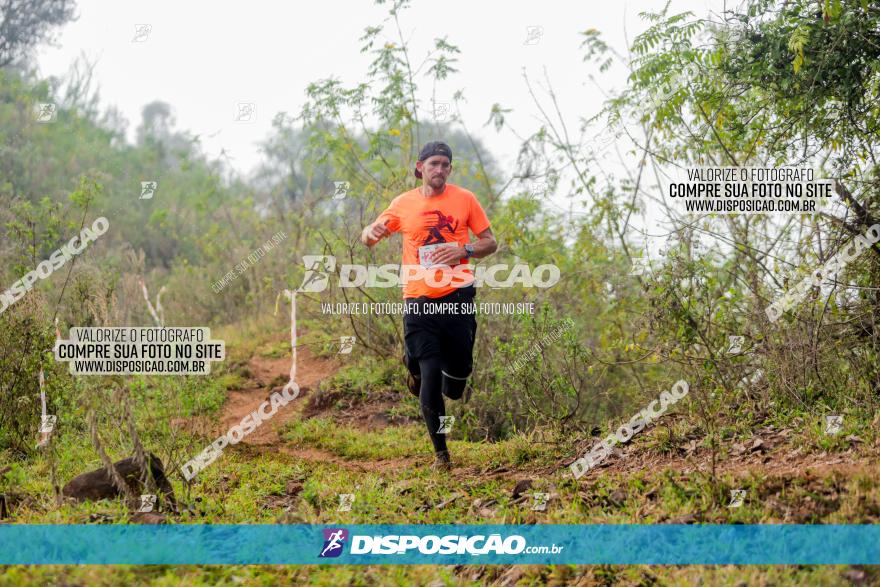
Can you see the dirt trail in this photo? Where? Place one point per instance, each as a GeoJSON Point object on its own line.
{"type": "Point", "coordinates": [269, 374]}
{"type": "Point", "coordinates": [768, 453]}
{"type": "Point", "coordinates": [382, 466]}
{"type": "Point", "coordinates": [310, 371]}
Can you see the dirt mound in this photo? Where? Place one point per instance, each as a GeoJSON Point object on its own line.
{"type": "Point", "coordinates": [352, 411]}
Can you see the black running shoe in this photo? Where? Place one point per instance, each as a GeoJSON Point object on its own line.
{"type": "Point", "coordinates": [441, 461]}
{"type": "Point", "coordinates": [413, 384]}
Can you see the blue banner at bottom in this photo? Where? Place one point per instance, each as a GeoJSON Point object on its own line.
{"type": "Point", "coordinates": [439, 544]}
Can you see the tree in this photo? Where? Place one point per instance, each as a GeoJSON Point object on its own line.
{"type": "Point", "coordinates": [27, 23]}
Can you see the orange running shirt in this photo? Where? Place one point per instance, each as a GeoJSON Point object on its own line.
{"type": "Point", "coordinates": [426, 221]}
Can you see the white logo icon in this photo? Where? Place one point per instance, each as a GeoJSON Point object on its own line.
{"type": "Point", "coordinates": [735, 344]}
{"type": "Point", "coordinates": [533, 35]}
{"type": "Point", "coordinates": [47, 424]}
{"type": "Point", "coordinates": [318, 269]}
{"type": "Point", "coordinates": [148, 189]}
{"type": "Point", "coordinates": [341, 189]}
{"type": "Point", "coordinates": [441, 111]}
{"type": "Point", "coordinates": [46, 112]}
{"type": "Point", "coordinates": [833, 424]}
{"type": "Point", "coordinates": [346, 344]}
{"type": "Point", "coordinates": [538, 188]}
{"type": "Point", "coordinates": [446, 423]}
{"type": "Point", "coordinates": [540, 501]}
{"type": "Point", "coordinates": [147, 503]}
{"type": "Point", "coordinates": [345, 501]}
{"type": "Point", "coordinates": [245, 112]}
{"type": "Point", "coordinates": [335, 542]}
{"type": "Point", "coordinates": [601, 142]}
{"type": "Point", "coordinates": [142, 32]}
{"type": "Point", "coordinates": [736, 497]}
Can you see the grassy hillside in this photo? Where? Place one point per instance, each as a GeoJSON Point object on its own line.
{"type": "Point", "coordinates": [354, 430]}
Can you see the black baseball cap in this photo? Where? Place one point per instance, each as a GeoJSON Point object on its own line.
{"type": "Point", "coordinates": [431, 149]}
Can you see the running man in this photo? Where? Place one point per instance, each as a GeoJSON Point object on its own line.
{"type": "Point", "coordinates": [334, 542]}
{"type": "Point", "coordinates": [434, 220]}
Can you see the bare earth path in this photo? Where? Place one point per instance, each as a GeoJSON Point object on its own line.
{"type": "Point", "coordinates": [311, 371]}
{"type": "Point", "coordinates": [767, 454]}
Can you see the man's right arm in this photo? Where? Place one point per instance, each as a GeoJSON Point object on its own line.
{"type": "Point", "coordinates": [375, 232]}
{"type": "Point", "coordinates": [385, 225]}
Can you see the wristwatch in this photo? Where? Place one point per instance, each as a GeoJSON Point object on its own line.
{"type": "Point", "coordinates": [468, 251]}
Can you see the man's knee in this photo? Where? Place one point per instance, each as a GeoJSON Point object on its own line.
{"type": "Point", "coordinates": [430, 366]}
{"type": "Point", "coordinates": [453, 386]}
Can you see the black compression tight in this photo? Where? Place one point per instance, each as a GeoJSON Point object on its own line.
{"type": "Point", "coordinates": [434, 386]}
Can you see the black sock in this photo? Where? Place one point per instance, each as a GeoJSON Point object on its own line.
{"type": "Point", "coordinates": [431, 398]}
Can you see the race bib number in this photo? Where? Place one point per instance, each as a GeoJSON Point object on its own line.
{"type": "Point", "coordinates": [428, 252]}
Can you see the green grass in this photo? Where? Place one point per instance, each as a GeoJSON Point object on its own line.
{"type": "Point", "coordinates": [239, 488]}
{"type": "Point", "coordinates": [246, 485]}
{"type": "Point", "coordinates": [274, 350]}
{"type": "Point", "coordinates": [390, 443]}
{"type": "Point", "coordinates": [396, 442]}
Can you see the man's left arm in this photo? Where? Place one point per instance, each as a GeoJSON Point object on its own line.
{"type": "Point", "coordinates": [484, 246]}
{"type": "Point", "coordinates": [478, 222]}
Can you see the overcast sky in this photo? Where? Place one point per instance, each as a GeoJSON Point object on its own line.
{"type": "Point", "coordinates": [204, 58]}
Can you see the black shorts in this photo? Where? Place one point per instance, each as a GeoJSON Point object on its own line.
{"type": "Point", "coordinates": [450, 336]}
